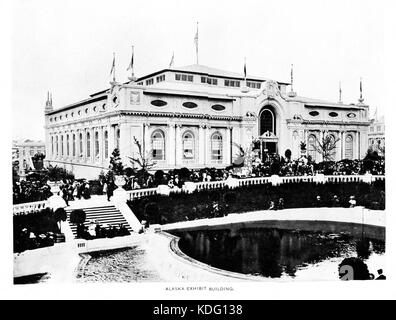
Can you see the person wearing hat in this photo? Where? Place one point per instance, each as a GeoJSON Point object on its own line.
{"type": "Point", "coordinates": [352, 202]}
{"type": "Point", "coordinates": [381, 276]}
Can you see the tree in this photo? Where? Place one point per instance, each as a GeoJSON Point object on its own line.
{"type": "Point", "coordinates": [78, 216]}
{"type": "Point", "coordinates": [326, 147]}
{"type": "Point", "coordinates": [143, 160]}
{"type": "Point", "coordinates": [288, 154]}
{"type": "Point", "coordinates": [116, 165]}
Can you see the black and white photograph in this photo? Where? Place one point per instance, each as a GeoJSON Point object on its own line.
{"type": "Point", "coordinates": [198, 146]}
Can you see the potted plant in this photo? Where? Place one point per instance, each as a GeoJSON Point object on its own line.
{"type": "Point", "coordinates": [60, 215]}
{"type": "Point", "coordinates": [78, 218]}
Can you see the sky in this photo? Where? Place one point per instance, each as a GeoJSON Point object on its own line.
{"type": "Point", "coordinates": [66, 47]}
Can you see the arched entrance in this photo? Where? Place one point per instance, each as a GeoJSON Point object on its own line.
{"type": "Point", "coordinates": [267, 132]}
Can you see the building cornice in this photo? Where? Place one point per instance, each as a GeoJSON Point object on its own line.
{"type": "Point", "coordinates": [325, 122]}
{"type": "Point", "coordinates": [77, 104]}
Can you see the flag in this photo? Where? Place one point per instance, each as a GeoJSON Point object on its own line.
{"type": "Point", "coordinates": [131, 63]}
{"type": "Point", "coordinates": [196, 37]}
{"type": "Point", "coordinates": [172, 60]}
{"type": "Point", "coordinates": [244, 69]}
{"type": "Point", "coordinates": [196, 42]}
{"type": "Point", "coordinates": [113, 65]}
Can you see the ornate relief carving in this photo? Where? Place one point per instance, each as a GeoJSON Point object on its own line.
{"type": "Point", "coordinates": [271, 89]}
{"type": "Point", "coordinates": [135, 97]}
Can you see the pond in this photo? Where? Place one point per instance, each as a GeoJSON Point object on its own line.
{"type": "Point", "coordinates": [281, 253]}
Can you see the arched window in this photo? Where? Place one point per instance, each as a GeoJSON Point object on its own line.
{"type": "Point", "coordinates": [62, 146]}
{"type": "Point", "coordinates": [188, 146]}
{"type": "Point", "coordinates": [81, 145]}
{"type": "Point", "coordinates": [96, 144]}
{"type": "Point", "coordinates": [217, 147]}
{"type": "Point", "coordinates": [349, 147]}
{"type": "Point", "coordinates": [106, 144]}
{"type": "Point", "coordinates": [88, 144]}
{"type": "Point", "coordinates": [52, 145]}
{"type": "Point", "coordinates": [267, 121]}
{"type": "Point", "coordinates": [158, 145]}
{"type": "Point", "coordinates": [312, 146]}
{"type": "Point", "coordinates": [118, 139]}
{"type": "Point", "coordinates": [74, 145]}
{"type": "Point", "coordinates": [67, 145]}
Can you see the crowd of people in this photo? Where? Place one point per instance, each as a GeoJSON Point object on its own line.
{"type": "Point", "coordinates": [30, 191]}
{"type": "Point", "coordinates": [71, 189]}
{"type": "Point", "coordinates": [272, 166]}
{"type": "Point", "coordinates": [94, 230]}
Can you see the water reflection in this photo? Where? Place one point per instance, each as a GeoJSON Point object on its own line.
{"type": "Point", "coordinates": [272, 252]}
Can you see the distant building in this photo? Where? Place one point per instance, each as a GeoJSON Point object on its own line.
{"type": "Point", "coordinates": [376, 135]}
{"type": "Point", "coordinates": [24, 150]}
{"type": "Point", "coordinates": [193, 117]}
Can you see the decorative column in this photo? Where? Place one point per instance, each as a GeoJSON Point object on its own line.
{"type": "Point", "coordinates": [356, 146]}
{"type": "Point", "coordinates": [227, 146]}
{"type": "Point", "coordinates": [208, 146]}
{"type": "Point", "coordinates": [78, 151]}
{"type": "Point", "coordinates": [342, 141]}
{"type": "Point", "coordinates": [101, 145]}
{"type": "Point", "coordinates": [178, 145]}
{"type": "Point", "coordinates": [201, 144]}
{"type": "Point", "coordinates": [171, 145]}
{"type": "Point", "coordinates": [92, 132]}
{"type": "Point", "coordinates": [111, 138]}
{"type": "Point", "coordinates": [146, 138]}
{"type": "Point", "coordinates": [321, 135]}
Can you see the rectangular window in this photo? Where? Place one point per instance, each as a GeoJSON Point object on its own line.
{"type": "Point", "coordinates": [203, 80]}
{"type": "Point", "coordinates": [149, 81]}
{"type": "Point", "coordinates": [177, 77]}
{"type": "Point", "coordinates": [184, 77]}
{"type": "Point", "coordinates": [227, 83]}
{"type": "Point", "coordinates": [190, 78]}
{"type": "Point", "coordinates": [161, 78]}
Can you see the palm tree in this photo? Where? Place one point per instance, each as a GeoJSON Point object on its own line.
{"type": "Point", "coordinates": [326, 146]}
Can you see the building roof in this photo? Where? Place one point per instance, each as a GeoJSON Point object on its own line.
{"type": "Point", "coordinates": [28, 142]}
{"type": "Point", "coordinates": [209, 71]}
{"type": "Point", "coordinates": [323, 103]}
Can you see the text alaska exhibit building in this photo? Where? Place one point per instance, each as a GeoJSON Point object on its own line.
{"type": "Point", "coordinates": [194, 117]}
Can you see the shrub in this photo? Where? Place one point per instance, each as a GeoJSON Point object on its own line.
{"type": "Point", "coordinates": [78, 216]}
{"type": "Point", "coordinates": [184, 174]}
{"type": "Point", "coordinates": [57, 173]}
{"type": "Point", "coordinates": [158, 177]}
{"type": "Point", "coordinates": [199, 204]}
{"type": "Point", "coordinates": [151, 212]}
{"type": "Point", "coordinates": [360, 270]}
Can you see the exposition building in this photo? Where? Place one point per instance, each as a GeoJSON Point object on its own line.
{"type": "Point", "coordinates": [195, 117]}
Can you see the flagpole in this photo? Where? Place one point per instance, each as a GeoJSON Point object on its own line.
{"type": "Point", "coordinates": [196, 43]}
{"type": "Point", "coordinates": [114, 80]}
{"type": "Point", "coordinates": [133, 74]}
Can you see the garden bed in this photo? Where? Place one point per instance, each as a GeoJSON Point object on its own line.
{"type": "Point", "coordinates": [214, 203]}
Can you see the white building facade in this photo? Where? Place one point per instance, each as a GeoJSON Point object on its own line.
{"type": "Point", "coordinates": [196, 117]}
{"type": "Point", "coordinates": [376, 135]}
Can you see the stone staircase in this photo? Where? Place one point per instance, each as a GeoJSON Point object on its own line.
{"type": "Point", "coordinates": [104, 214]}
